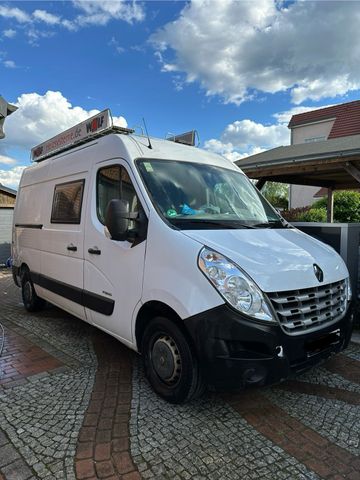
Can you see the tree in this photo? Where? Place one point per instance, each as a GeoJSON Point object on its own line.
{"type": "Point", "coordinates": [276, 194]}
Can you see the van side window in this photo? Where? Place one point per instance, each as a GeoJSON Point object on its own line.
{"type": "Point", "coordinates": [67, 201]}
{"type": "Point", "coordinates": [114, 182]}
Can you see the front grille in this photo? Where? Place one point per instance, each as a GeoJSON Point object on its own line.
{"type": "Point", "coordinates": [300, 311]}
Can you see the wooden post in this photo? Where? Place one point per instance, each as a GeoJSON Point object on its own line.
{"type": "Point", "coordinates": [330, 205]}
{"type": "Point", "coordinates": [260, 183]}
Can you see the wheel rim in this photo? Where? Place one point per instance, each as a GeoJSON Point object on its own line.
{"type": "Point", "coordinates": [27, 293]}
{"type": "Point", "coordinates": [166, 360]}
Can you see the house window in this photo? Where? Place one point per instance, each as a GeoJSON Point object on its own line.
{"type": "Point", "coordinates": [67, 202]}
{"type": "Point", "coordinates": [114, 182]}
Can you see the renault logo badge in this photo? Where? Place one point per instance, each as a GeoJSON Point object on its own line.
{"type": "Point", "coordinates": [319, 274]}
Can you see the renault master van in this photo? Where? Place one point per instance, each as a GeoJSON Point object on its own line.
{"type": "Point", "coordinates": [173, 251]}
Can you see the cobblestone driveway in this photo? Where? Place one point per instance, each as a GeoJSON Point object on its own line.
{"type": "Point", "coordinates": [74, 405]}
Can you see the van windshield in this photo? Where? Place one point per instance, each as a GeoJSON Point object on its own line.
{"type": "Point", "coordinates": [192, 195]}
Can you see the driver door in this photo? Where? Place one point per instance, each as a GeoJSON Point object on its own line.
{"type": "Point", "coordinates": [113, 270]}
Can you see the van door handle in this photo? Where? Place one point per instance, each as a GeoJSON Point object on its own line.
{"type": "Point", "coordinates": [72, 248]}
{"type": "Point", "coordinates": [94, 251]}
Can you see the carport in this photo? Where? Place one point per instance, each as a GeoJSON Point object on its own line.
{"type": "Point", "coordinates": [334, 164]}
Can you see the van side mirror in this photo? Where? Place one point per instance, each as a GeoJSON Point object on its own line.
{"type": "Point", "coordinates": [117, 219]}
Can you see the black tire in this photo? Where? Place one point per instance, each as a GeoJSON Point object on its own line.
{"type": "Point", "coordinates": [31, 301]}
{"type": "Point", "coordinates": [169, 362]}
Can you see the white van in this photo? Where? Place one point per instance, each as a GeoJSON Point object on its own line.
{"type": "Point", "coordinates": [174, 252]}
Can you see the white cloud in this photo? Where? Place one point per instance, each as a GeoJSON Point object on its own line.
{"type": "Point", "coordinates": [40, 117]}
{"type": "Point", "coordinates": [101, 12]}
{"type": "Point", "coordinates": [236, 48]}
{"type": "Point", "coordinates": [230, 151]}
{"type": "Point", "coordinates": [243, 138]}
{"type": "Point", "coordinates": [93, 12]}
{"type": "Point", "coordinates": [246, 133]}
{"type": "Point", "coordinates": [9, 64]}
{"type": "Point", "coordinates": [34, 34]}
{"type": "Point", "coordinates": [9, 33]}
{"type": "Point", "coordinates": [114, 43]}
{"type": "Point", "coordinates": [14, 13]}
{"type": "Point", "coordinates": [4, 160]}
{"type": "Point", "coordinates": [11, 178]}
{"type": "Point", "coordinates": [246, 137]}
{"type": "Point", "coordinates": [325, 87]}
{"type": "Point", "coordinates": [46, 17]}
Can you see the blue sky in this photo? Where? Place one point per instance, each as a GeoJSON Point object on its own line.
{"type": "Point", "coordinates": [235, 71]}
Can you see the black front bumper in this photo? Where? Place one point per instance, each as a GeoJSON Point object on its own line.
{"type": "Point", "coordinates": [235, 351]}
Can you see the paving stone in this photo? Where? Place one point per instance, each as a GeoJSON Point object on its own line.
{"type": "Point", "coordinates": [104, 469]}
{"type": "Point", "coordinates": [102, 452]}
{"type": "Point", "coordinates": [17, 470]}
{"type": "Point", "coordinates": [84, 469]}
{"type": "Point", "coordinates": [203, 439]}
{"type": "Point", "coordinates": [38, 415]}
{"type": "Point", "coordinates": [206, 439]}
{"type": "Point", "coordinates": [8, 454]}
{"type": "Point", "coordinates": [3, 441]}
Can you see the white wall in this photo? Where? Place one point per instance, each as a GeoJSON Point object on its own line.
{"type": "Point", "coordinates": [311, 132]}
{"type": "Point", "coordinates": [302, 196]}
{"type": "Point", "coordinates": [6, 216]}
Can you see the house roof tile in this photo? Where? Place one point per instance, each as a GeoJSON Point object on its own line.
{"type": "Point", "coordinates": [347, 118]}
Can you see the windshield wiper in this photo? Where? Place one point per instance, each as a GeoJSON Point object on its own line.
{"type": "Point", "coordinates": [272, 224]}
{"type": "Point", "coordinates": [227, 224]}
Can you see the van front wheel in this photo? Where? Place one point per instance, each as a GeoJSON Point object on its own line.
{"type": "Point", "coordinates": [170, 363]}
{"type": "Point", "coordinates": [31, 301]}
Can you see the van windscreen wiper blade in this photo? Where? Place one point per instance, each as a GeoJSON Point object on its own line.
{"type": "Point", "coordinates": [272, 224]}
{"type": "Point", "coordinates": [201, 223]}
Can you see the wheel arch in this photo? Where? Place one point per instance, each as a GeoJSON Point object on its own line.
{"type": "Point", "coordinates": [153, 309]}
{"type": "Point", "coordinates": [24, 268]}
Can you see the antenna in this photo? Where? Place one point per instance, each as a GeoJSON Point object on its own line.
{"type": "Point", "coordinates": [146, 130]}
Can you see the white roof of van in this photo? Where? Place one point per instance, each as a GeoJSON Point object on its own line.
{"type": "Point", "coordinates": [119, 145]}
{"type": "Point", "coordinates": [138, 147]}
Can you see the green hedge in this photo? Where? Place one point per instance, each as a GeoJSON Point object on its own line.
{"type": "Point", "coordinates": [346, 209]}
{"type": "Point", "coordinates": [346, 206]}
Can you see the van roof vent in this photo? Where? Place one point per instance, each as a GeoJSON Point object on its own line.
{"type": "Point", "coordinates": [86, 131]}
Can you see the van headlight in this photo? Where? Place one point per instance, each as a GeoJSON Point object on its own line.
{"type": "Point", "coordinates": [234, 285]}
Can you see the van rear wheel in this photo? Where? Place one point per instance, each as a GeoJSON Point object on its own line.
{"type": "Point", "coordinates": [31, 301]}
{"type": "Point", "coordinates": [170, 363]}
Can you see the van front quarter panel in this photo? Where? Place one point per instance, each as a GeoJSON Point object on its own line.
{"type": "Point", "coordinates": [172, 275]}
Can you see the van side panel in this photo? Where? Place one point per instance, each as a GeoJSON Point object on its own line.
{"type": "Point", "coordinates": [62, 259]}
{"type": "Point", "coordinates": [43, 245]}
{"type": "Point", "coordinates": [59, 264]}
{"type": "Point", "coordinates": [28, 227]}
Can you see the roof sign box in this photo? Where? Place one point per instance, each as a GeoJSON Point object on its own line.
{"type": "Point", "coordinates": [87, 130]}
{"type": "Point", "coordinates": [187, 138]}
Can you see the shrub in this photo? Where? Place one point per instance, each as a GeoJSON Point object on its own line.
{"type": "Point", "coordinates": [346, 209]}
{"type": "Point", "coordinates": [346, 206]}
{"type": "Point", "coordinates": [294, 214]}
{"type": "Point", "coordinates": [313, 215]}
